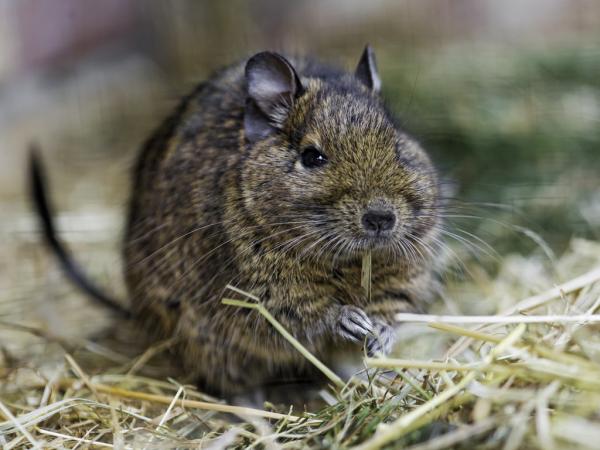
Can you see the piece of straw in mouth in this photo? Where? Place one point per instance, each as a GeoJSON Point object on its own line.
{"type": "Point", "coordinates": [365, 280]}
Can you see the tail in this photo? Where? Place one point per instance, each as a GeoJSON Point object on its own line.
{"type": "Point", "coordinates": [73, 271]}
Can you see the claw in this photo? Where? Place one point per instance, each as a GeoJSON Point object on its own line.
{"type": "Point", "coordinates": [382, 340]}
{"type": "Point", "coordinates": [354, 324]}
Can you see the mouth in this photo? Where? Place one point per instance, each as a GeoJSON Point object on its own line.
{"type": "Point", "coordinates": [376, 242]}
{"type": "Point", "coordinates": [353, 247]}
{"type": "Point", "coordinates": [366, 243]}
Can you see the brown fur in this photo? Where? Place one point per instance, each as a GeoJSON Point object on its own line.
{"type": "Point", "coordinates": [210, 209]}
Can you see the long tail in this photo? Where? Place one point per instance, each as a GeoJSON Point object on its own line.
{"type": "Point", "coordinates": [38, 189]}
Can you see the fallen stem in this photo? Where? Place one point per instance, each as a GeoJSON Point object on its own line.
{"type": "Point", "coordinates": [538, 300]}
{"type": "Point", "coordinates": [11, 418]}
{"type": "Point", "coordinates": [394, 363]}
{"type": "Point", "coordinates": [541, 350]}
{"type": "Point", "coordinates": [466, 332]}
{"type": "Point", "coordinates": [291, 339]}
{"type": "Point", "coordinates": [240, 411]}
{"type": "Point", "coordinates": [457, 436]}
{"type": "Point", "coordinates": [388, 433]}
{"type": "Point", "coordinates": [427, 318]}
{"type": "Point", "coordinates": [566, 288]}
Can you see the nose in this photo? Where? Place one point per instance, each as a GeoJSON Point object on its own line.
{"type": "Point", "coordinates": [378, 221]}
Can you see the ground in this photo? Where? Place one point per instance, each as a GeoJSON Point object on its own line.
{"type": "Point", "coordinates": [515, 136]}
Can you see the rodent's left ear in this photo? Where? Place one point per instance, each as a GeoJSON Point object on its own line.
{"type": "Point", "coordinates": [366, 71]}
{"type": "Point", "coordinates": [273, 86]}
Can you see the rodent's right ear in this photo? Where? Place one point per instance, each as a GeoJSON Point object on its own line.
{"type": "Point", "coordinates": [273, 85]}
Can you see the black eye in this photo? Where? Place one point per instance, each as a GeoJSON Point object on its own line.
{"type": "Point", "coordinates": [311, 157]}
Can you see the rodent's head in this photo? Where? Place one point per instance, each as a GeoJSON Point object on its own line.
{"type": "Point", "coordinates": [328, 171]}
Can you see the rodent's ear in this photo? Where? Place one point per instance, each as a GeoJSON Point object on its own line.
{"type": "Point", "coordinates": [366, 71]}
{"type": "Point", "coordinates": [273, 85]}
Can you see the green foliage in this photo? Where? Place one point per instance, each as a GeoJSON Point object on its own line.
{"type": "Point", "coordinates": [521, 129]}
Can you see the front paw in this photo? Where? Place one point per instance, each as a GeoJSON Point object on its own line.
{"type": "Point", "coordinates": [381, 340]}
{"type": "Point", "coordinates": [353, 324]}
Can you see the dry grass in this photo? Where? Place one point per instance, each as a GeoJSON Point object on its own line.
{"type": "Point", "coordinates": [494, 385]}
{"type": "Point", "coordinates": [502, 385]}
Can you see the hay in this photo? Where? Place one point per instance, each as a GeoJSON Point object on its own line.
{"type": "Point", "coordinates": [495, 385]}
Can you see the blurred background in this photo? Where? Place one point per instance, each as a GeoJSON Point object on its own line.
{"type": "Point", "coordinates": [505, 95]}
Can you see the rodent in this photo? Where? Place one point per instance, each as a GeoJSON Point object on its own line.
{"type": "Point", "coordinates": [276, 175]}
